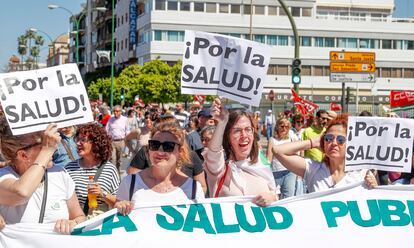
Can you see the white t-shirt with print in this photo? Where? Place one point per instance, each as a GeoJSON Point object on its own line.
{"type": "Point", "coordinates": [60, 189]}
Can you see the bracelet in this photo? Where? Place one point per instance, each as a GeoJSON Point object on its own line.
{"type": "Point", "coordinates": [43, 166]}
{"type": "Point", "coordinates": [311, 143]}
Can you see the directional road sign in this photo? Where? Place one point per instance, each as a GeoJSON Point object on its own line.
{"type": "Point", "coordinates": [352, 67]}
{"type": "Point", "coordinates": [353, 77]}
{"type": "Point", "coordinates": [352, 56]}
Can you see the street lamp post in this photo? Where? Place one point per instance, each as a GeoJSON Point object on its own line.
{"type": "Point", "coordinates": [35, 30]}
{"type": "Point", "coordinates": [112, 54]}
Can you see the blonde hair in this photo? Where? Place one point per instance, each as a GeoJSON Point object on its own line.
{"type": "Point", "coordinates": [179, 134]}
{"type": "Point", "coordinates": [279, 122]}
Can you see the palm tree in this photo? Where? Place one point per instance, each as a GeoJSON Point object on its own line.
{"type": "Point", "coordinates": [21, 47]}
{"type": "Point", "coordinates": [30, 42]}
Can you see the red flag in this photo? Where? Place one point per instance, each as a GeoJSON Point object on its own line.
{"type": "Point", "coordinates": [335, 106]}
{"type": "Point", "coordinates": [199, 98]}
{"type": "Point", "coordinates": [401, 98]}
{"type": "Point", "coordinates": [304, 106]}
{"type": "Point", "coordinates": [140, 103]}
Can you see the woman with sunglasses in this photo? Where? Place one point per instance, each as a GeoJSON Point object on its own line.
{"type": "Point", "coordinates": [330, 173]}
{"type": "Point", "coordinates": [94, 148]}
{"type": "Point", "coordinates": [283, 177]}
{"type": "Point", "coordinates": [29, 175]}
{"type": "Point", "coordinates": [163, 181]}
{"type": "Point", "coordinates": [231, 159]}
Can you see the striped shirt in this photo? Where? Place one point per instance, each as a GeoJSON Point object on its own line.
{"type": "Point", "coordinates": [182, 117]}
{"type": "Point", "coordinates": [108, 180]}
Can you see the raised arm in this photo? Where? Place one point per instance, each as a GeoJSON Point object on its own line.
{"type": "Point", "coordinates": [220, 114]}
{"type": "Point", "coordinates": [287, 154]}
{"type": "Point", "coordinates": [16, 192]}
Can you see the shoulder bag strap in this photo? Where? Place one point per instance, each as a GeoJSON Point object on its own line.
{"type": "Point", "coordinates": [132, 186]}
{"type": "Point", "coordinates": [95, 179]}
{"type": "Point", "coordinates": [43, 207]}
{"type": "Point", "coordinates": [194, 190]}
{"type": "Point", "coordinates": [68, 150]}
{"type": "Point", "coordinates": [221, 182]}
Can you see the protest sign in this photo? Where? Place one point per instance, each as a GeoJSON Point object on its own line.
{"type": "Point", "coordinates": [379, 143]}
{"type": "Point", "coordinates": [215, 64]}
{"type": "Point", "coordinates": [401, 98]}
{"type": "Point", "coordinates": [346, 217]}
{"type": "Point", "coordinates": [33, 99]}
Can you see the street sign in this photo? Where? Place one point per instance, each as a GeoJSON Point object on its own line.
{"type": "Point", "coordinates": [352, 67]}
{"type": "Point", "coordinates": [352, 77]}
{"type": "Point", "coordinates": [352, 56]}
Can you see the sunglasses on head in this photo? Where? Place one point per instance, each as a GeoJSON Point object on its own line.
{"type": "Point", "coordinates": [340, 139]}
{"type": "Point", "coordinates": [167, 146]}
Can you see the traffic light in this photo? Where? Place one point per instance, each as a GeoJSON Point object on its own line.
{"type": "Point", "coordinates": [296, 71]}
{"type": "Point", "coordinates": [122, 93]}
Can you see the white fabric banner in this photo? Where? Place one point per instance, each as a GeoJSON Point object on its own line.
{"type": "Point", "coordinates": [343, 217]}
{"type": "Point", "coordinates": [221, 65]}
{"type": "Point", "coordinates": [379, 143]}
{"type": "Point", "coordinates": [33, 99]}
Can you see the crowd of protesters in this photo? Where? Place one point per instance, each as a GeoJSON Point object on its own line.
{"type": "Point", "coordinates": [171, 154]}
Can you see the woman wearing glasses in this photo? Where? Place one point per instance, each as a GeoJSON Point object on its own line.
{"type": "Point", "coordinates": [283, 177]}
{"type": "Point", "coordinates": [93, 173]}
{"type": "Point", "coordinates": [330, 173]}
{"type": "Point", "coordinates": [32, 190]}
{"type": "Point", "coordinates": [163, 181]}
{"type": "Point", "coordinates": [231, 159]}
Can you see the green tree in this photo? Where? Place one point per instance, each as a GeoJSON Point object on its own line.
{"type": "Point", "coordinates": [101, 85]}
{"type": "Point", "coordinates": [29, 42]}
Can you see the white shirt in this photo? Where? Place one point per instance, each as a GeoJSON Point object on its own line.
{"type": "Point", "coordinates": [117, 128]}
{"type": "Point", "coordinates": [142, 193]}
{"type": "Point", "coordinates": [318, 177]}
{"type": "Point", "coordinates": [60, 189]}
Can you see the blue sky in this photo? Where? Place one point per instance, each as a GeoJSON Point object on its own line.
{"type": "Point", "coordinates": [16, 16]}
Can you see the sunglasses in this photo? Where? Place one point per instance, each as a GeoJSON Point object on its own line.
{"type": "Point", "coordinates": [167, 146]}
{"type": "Point", "coordinates": [340, 139]}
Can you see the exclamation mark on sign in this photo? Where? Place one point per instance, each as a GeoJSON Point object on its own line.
{"type": "Point", "coordinates": [83, 102]}
{"type": "Point", "coordinates": [257, 86]}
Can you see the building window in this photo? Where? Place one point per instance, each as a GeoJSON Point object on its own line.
{"type": "Point", "coordinates": [272, 40]}
{"type": "Point", "coordinates": [184, 6]}
{"type": "Point", "coordinates": [307, 12]}
{"type": "Point", "coordinates": [368, 43]}
{"type": "Point", "coordinates": [198, 7]}
{"type": "Point", "coordinates": [259, 10]}
{"type": "Point", "coordinates": [235, 8]}
{"type": "Point", "coordinates": [157, 35]}
{"type": "Point", "coordinates": [246, 9]}
{"type": "Point", "coordinates": [385, 72]}
{"type": "Point", "coordinates": [159, 4]}
{"type": "Point", "coordinates": [223, 8]}
{"type": "Point", "coordinates": [410, 44]}
{"type": "Point", "coordinates": [386, 44]}
{"type": "Point", "coordinates": [282, 70]}
{"type": "Point", "coordinates": [272, 70]}
{"type": "Point", "coordinates": [172, 5]}
{"type": "Point", "coordinates": [329, 42]}
{"type": "Point", "coordinates": [306, 70]}
{"type": "Point", "coordinates": [318, 41]}
{"type": "Point", "coordinates": [271, 10]}
{"type": "Point", "coordinates": [408, 72]}
{"type": "Point", "coordinates": [396, 72]}
{"type": "Point", "coordinates": [211, 7]}
{"type": "Point", "coordinates": [306, 41]}
{"type": "Point", "coordinates": [282, 40]}
{"type": "Point", "coordinates": [295, 11]}
{"type": "Point", "coordinates": [259, 38]}
{"type": "Point", "coordinates": [347, 42]}
{"type": "Point", "coordinates": [397, 44]}
{"type": "Point", "coordinates": [282, 11]}
{"type": "Point", "coordinates": [126, 17]}
{"type": "Point", "coordinates": [122, 45]}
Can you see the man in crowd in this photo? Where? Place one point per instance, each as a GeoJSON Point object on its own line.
{"type": "Point", "coordinates": [67, 150]}
{"type": "Point", "coordinates": [118, 129]}
{"type": "Point", "coordinates": [181, 115]}
{"type": "Point", "coordinates": [315, 130]}
{"type": "Point", "coordinates": [205, 119]}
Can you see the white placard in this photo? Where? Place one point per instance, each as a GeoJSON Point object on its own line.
{"type": "Point", "coordinates": [33, 99]}
{"type": "Point", "coordinates": [379, 143]}
{"type": "Point", "coordinates": [221, 65]}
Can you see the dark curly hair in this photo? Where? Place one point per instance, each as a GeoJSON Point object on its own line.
{"type": "Point", "coordinates": [101, 141]}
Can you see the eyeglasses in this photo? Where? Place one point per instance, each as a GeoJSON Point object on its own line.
{"type": "Point", "coordinates": [283, 126]}
{"type": "Point", "coordinates": [238, 131]}
{"type": "Point", "coordinates": [340, 139]}
{"type": "Point", "coordinates": [82, 139]}
{"type": "Point", "coordinates": [29, 146]}
{"type": "Point", "coordinates": [167, 146]}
